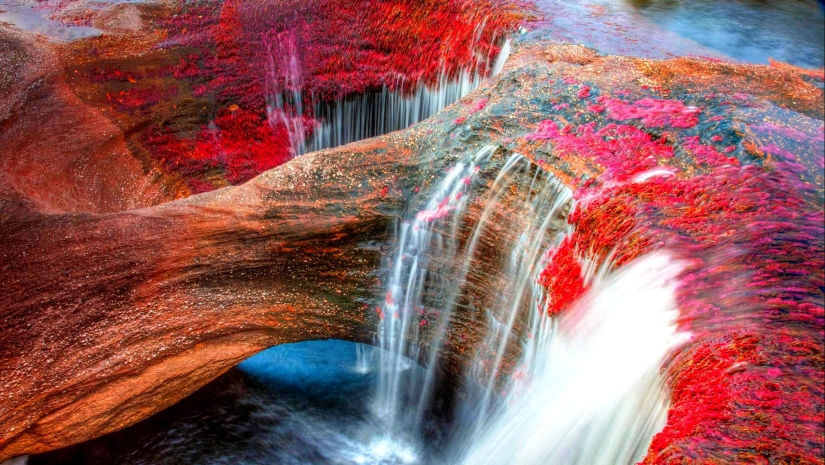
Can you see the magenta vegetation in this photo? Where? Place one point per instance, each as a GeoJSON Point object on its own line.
{"type": "Point", "coordinates": [750, 223]}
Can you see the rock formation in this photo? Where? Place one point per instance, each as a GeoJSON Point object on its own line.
{"type": "Point", "coordinates": [58, 152]}
{"type": "Point", "coordinates": [118, 305]}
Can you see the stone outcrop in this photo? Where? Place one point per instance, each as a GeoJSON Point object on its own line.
{"type": "Point", "coordinates": [143, 307]}
{"type": "Point", "coordinates": [56, 151]}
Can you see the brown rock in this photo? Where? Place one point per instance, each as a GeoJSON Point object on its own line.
{"type": "Point", "coordinates": [60, 153]}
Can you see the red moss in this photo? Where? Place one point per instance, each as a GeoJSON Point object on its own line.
{"type": "Point", "coordinates": [240, 145]}
{"type": "Point", "coordinates": [368, 43]}
{"type": "Point", "coordinates": [236, 55]}
{"type": "Point", "coordinates": [623, 151]}
{"type": "Point", "coordinates": [748, 387]}
{"type": "Point", "coordinates": [758, 394]}
{"type": "Point", "coordinates": [244, 143]}
{"type": "Point", "coordinates": [562, 278]}
{"type": "Point", "coordinates": [654, 113]}
{"type": "Point", "coordinates": [478, 106]}
{"type": "Point", "coordinates": [129, 101]}
{"type": "Point", "coordinates": [705, 154]}
{"type": "Point", "coordinates": [345, 47]}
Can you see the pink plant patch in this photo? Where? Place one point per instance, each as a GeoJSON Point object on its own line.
{"type": "Point", "coordinates": [655, 113]}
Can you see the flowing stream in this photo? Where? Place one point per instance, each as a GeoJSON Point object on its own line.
{"type": "Point", "coordinates": [371, 114]}
{"type": "Point", "coordinates": [586, 388]}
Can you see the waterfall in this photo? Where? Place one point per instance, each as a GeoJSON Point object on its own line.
{"type": "Point", "coordinates": [363, 356]}
{"type": "Point", "coordinates": [586, 387]}
{"type": "Point", "coordinates": [358, 117]}
{"type": "Point", "coordinates": [404, 310]}
{"type": "Point", "coordinates": [422, 292]}
{"type": "Point", "coordinates": [391, 109]}
{"type": "Point", "coordinates": [525, 260]}
{"type": "Point", "coordinates": [595, 395]}
{"type": "Point", "coordinates": [502, 57]}
{"type": "Point", "coordinates": [374, 114]}
{"type": "Point", "coordinates": [284, 95]}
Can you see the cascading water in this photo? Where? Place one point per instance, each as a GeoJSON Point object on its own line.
{"type": "Point", "coordinates": [373, 114]}
{"type": "Point", "coordinates": [284, 97]}
{"type": "Point", "coordinates": [368, 115]}
{"type": "Point", "coordinates": [421, 292]}
{"type": "Point", "coordinates": [363, 357]}
{"type": "Point", "coordinates": [521, 290]}
{"type": "Point", "coordinates": [586, 388]}
{"type": "Point", "coordinates": [412, 273]}
{"type": "Point", "coordinates": [593, 393]}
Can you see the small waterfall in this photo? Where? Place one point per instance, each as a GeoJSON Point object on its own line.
{"type": "Point", "coordinates": [284, 90]}
{"type": "Point", "coordinates": [422, 292]}
{"type": "Point", "coordinates": [405, 311]}
{"type": "Point", "coordinates": [526, 259]}
{"type": "Point", "coordinates": [374, 114]}
{"type": "Point", "coordinates": [390, 109]}
{"type": "Point", "coordinates": [358, 117]}
{"type": "Point", "coordinates": [586, 386]}
{"type": "Point", "coordinates": [502, 57]}
{"type": "Point", "coordinates": [594, 393]}
{"type": "Point", "coordinates": [363, 356]}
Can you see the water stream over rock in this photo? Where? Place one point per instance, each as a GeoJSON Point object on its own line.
{"type": "Point", "coordinates": [395, 106]}
{"type": "Point", "coordinates": [595, 259]}
{"type": "Point", "coordinates": [609, 348]}
{"type": "Point", "coordinates": [591, 392]}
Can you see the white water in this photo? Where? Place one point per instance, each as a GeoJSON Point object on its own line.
{"type": "Point", "coordinates": [363, 356]}
{"type": "Point", "coordinates": [594, 394]}
{"type": "Point", "coordinates": [587, 387]}
{"type": "Point", "coordinates": [521, 291]}
{"type": "Point", "coordinates": [404, 308]}
{"type": "Point", "coordinates": [421, 293]}
{"type": "Point", "coordinates": [502, 57]}
{"type": "Point", "coordinates": [373, 114]}
{"type": "Point", "coordinates": [363, 116]}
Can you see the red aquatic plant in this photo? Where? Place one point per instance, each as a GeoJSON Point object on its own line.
{"type": "Point", "coordinates": [239, 145]}
{"type": "Point", "coordinates": [747, 388]}
{"type": "Point", "coordinates": [246, 55]}
{"type": "Point", "coordinates": [562, 278]}
{"type": "Point", "coordinates": [623, 151]}
{"type": "Point", "coordinates": [652, 112]}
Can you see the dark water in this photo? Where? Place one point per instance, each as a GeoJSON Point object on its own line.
{"type": "Point", "coordinates": [292, 404]}
{"type": "Point", "coordinates": [792, 31]}
{"type": "Point", "coordinates": [752, 31]}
